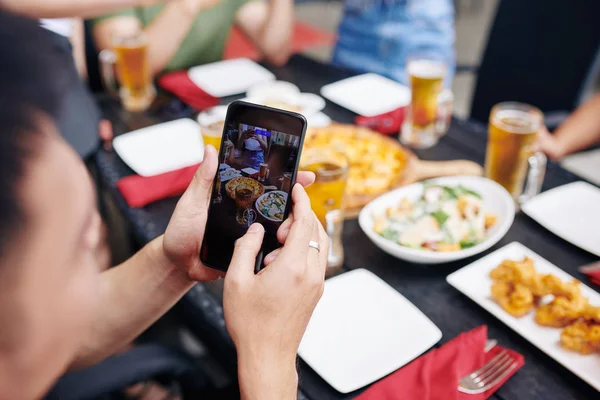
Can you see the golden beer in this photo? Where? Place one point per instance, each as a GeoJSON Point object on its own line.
{"type": "Point", "coordinates": [129, 54]}
{"type": "Point", "coordinates": [426, 78]}
{"type": "Point", "coordinates": [213, 133]}
{"type": "Point", "coordinates": [327, 196]}
{"type": "Point", "coordinates": [133, 66]}
{"type": "Point", "coordinates": [512, 133]}
{"type": "Point", "coordinates": [327, 193]}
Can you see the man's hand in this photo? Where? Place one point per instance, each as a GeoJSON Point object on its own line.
{"type": "Point", "coordinates": [267, 313]}
{"type": "Point", "coordinates": [184, 235]}
{"type": "Point", "coordinates": [548, 144]}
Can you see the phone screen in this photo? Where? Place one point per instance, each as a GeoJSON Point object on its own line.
{"type": "Point", "coordinates": [258, 161]}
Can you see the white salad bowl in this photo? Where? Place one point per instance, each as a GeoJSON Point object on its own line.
{"type": "Point", "coordinates": [496, 200]}
{"type": "Point", "coordinates": [263, 198]}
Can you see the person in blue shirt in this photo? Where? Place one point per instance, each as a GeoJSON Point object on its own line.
{"type": "Point", "coordinates": [380, 35]}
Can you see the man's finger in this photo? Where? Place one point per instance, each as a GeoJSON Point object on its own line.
{"type": "Point", "coordinates": [271, 257]}
{"type": "Point", "coordinates": [201, 185]}
{"type": "Point", "coordinates": [305, 178]}
{"type": "Point", "coordinates": [302, 229]}
{"type": "Point", "coordinates": [245, 252]}
{"type": "Point", "coordinates": [284, 228]}
{"type": "Point", "coordinates": [324, 242]}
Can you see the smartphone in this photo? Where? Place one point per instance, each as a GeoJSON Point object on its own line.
{"type": "Point", "coordinates": [258, 163]}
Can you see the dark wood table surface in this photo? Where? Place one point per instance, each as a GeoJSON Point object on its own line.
{"type": "Point", "coordinates": [425, 286]}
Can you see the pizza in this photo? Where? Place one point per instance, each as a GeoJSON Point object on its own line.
{"type": "Point", "coordinates": [376, 162]}
{"type": "Point", "coordinates": [252, 184]}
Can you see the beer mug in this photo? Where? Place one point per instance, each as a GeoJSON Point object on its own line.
{"type": "Point", "coordinates": [422, 125]}
{"type": "Point", "coordinates": [326, 197]}
{"type": "Point", "coordinates": [510, 157]}
{"type": "Point", "coordinates": [129, 54]}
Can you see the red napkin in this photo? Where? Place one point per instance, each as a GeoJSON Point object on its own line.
{"type": "Point", "coordinates": [139, 191]}
{"type": "Point", "coordinates": [180, 85]}
{"type": "Point", "coordinates": [592, 271]}
{"type": "Point", "coordinates": [435, 375]}
{"type": "Point", "coordinates": [388, 123]}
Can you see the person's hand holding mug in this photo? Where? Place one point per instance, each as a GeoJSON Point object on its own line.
{"type": "Point", "coordinates": [267, 313]}
{"type": "Point", "coordinates": [548, 144]}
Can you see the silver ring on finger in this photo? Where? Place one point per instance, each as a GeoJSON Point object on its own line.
{"type": "Point", "coordinates": [315, 245]}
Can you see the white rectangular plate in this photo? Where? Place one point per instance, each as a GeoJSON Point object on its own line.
{"type": "Point", "coordinates": [228, 174]}
{"type": "Point", "coordinates": [161, 148]}
{"type": "Point", "coordinates": [367, 94]}
{"type": "Point", "coordinates": [585, 164]}
{"type": "Point", "coordinates": [474, 282]}
{"type": "Point", "coordinates": [571, 212]}
{"type": "Point", "coordinates": [229, 77]}
{"type": "Point", "coordinates": [362, 330]}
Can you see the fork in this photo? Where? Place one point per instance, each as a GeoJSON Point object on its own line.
{"type": "Point", "coordinates": [489, 375]}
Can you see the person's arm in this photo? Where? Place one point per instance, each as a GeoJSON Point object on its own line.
{"type": "Point", "coordinates": [269, 25]}
{"type": "Point", "coordinates": [262, 141]}
{"type": "Point", "coordinates": [78, 43]}
{"type": "Point", "coordinates": [165, 34]}
{"type": "Point", "coordinates": [133, 296]}
{"type": "Point", "coordinates": [580, 131]}
{"type": "Point", "coordinates": [69, 8]}
{"type": "Point", "coordinates": [267, 313]}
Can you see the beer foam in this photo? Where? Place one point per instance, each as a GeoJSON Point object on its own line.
{"type": "Point", "coordinates": [520, 121]}
{"type": "Point", "coordinates": [428, 69]}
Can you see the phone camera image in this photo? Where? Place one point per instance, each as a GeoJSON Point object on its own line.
{"type": "Point", "coordinates": [256, 168]}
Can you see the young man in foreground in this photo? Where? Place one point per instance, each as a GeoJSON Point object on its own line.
{"type": "Point", "coordinates": [60, 308]}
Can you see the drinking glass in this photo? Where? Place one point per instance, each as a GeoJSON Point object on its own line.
{"type": "Point", "coordinates": [286, 181]}
{"type": "Point", "coordinates": [243, 200]}
{"type": "Point", "coordinates": [130, 55]}
{"type": "Point", "coordinates": [263, 174]}
{"type": "Point", "coordinates": [510, 157]}
{"type": "Point", "coordinates": [426, 75]}
{"type": "Point", "coordinates": [326, 195]}
{"type": "Point", "coordinates": [211, 123]}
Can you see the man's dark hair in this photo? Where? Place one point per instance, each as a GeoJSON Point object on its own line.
{"type": "Point", "coordinates": [32, 84]}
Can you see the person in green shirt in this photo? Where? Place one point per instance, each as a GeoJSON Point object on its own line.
{"type": "Point", "coordinates": [185, 33]}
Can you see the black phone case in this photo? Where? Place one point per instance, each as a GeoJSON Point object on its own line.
{"type": "Point", "coordinates": [255, 109]}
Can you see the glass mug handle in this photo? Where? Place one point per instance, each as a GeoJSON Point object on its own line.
{"type": "Point", "coordinates": [444, 112]}
{"type": "Point", "coordinates": [535, 176]}
{"type": "Point", "coordinates": [108, 60]}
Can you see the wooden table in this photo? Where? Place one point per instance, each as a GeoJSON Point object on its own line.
{"type": "Point", "coordinates": [425, 286]}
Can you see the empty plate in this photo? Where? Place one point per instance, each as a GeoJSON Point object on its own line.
{"type": "Point", "coordinates": [161, 148]}
{"type": "Point", "coordinates": [226, 78]}
{"type": "Point", "coordinates": [362, 330]}
{"type": "Point", "coordinates": [368, 94]}
{"type": "Point", "coordinates": [571, 212]}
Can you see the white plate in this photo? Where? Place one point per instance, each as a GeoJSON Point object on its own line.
{"type": "Point", "coordinates": [318, 120]}
{"type": "Point", "coordinates": [306, 104]}
{"type": "Point", "coordinates": [571, 212]}
{"type": "Point", "coordinates": [226, 78]}
{"type": "Point", "coordinates": [496, 200]}
{"type": "Point", "coordinates": [228, 174]}
{"type": "Point", "coordinates": [161, 148]}
{"type": "Point", "coordinates": [362, 330]}
{"type": "Point", "coordinates": [262, 198]}
{"type": "Point", "coordinates": [250, 171]}
{"type": "Point", "coordinates": [474, 281]}
{"type": "Point", "coordinates": [272, 89]}
{"type": "Point", "coordinates": [367, 94]}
